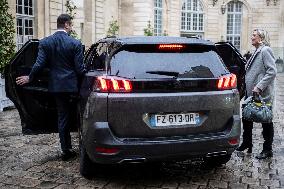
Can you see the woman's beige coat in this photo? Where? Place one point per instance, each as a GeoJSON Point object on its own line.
{"type": "Point", "coordinates": [261, 72]}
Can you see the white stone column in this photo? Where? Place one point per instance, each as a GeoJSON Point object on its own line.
{"type": "Point", "coordinates": [246, 28]}
{"type": "Point", "coordinates": [39, 17]}
{"type": "Point", "coordinates": [99, 19]}
{"type": "Point", "coordinates": [56, 7]}
{"type": "Point", "coordinates": [12, 11]}
{"type": "Point", "coordinates": [174, 18]}
{"type": "Point", "coordinates": [213, 27]}
{"type": "Point", "coordinates": [111, 13]}
{"type": "Point", "coordinates": [46, 24]}
{"type": "Point", "coordinates": [78, 22]}
{"type": "Point", "coordinates": [126, 17]}
{"type": "Point", "coordinates": [89, 21]}
{"type": "Point", "coordinates": [142, 13]}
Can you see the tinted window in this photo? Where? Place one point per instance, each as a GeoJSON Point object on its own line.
{"type": "Point", "coordinates": [26, 58]}
{"type": "Point", "coordinates": [95, 58]}
{"type": "Point", "coordinates": [88, 56]}
{"type": "Point", "coordinates": [196, 64]}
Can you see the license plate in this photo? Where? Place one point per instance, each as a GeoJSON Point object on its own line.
{"type": "Point", "coordinates": [176, 119]}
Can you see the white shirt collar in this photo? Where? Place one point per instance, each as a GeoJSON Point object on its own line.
{"type": "Point", "coordinates": [59, 30]}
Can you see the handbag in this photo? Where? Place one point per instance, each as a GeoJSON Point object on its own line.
{"type": "Point", "coordinates": [256, 110]}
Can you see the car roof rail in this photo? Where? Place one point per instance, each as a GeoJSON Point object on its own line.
{"type": "Point", "coordinates": [193, 36]}
{"type": "Point", "coordinates": [108, 38]}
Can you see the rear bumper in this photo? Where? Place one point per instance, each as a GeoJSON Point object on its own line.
{"type": "Point", "coordinates": [161, 148]}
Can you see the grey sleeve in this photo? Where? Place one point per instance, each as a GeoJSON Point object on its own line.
{"type": "Point", "coordinates": [270, 69]}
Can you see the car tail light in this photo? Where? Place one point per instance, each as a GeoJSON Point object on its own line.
{"type": "Point", "coordinates": [234, 141]}
{"type": "Point", "coordinates": [170, 47]}
{"type": "Point", "coordinates": [102, 84]}
{"type": "Point", "coordinates": [227, 82]}
{"type": "Point", "coordinates": [112, 84]}
{"type": "Point", "coordinates": [109, 151]}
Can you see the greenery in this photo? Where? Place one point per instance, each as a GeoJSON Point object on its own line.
{"type": "Point", "coordinates": [70, 10]}
{"type": "Point", "coordinates": [165, 33]}
{"type": "Point", "coordinates": [149, 30]}
{"type": "Point", "coordinates": [7, 35]}
{"type": "Point", "coordinates": [113, 28]}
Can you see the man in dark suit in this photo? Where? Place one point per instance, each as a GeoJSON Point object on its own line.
{"type": "Point", "coordinates": [64, 57]}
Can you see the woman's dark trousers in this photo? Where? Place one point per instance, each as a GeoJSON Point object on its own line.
{"type": "Point", "coordinates": [247, 133]}
{"type": "Point", "coordinates": [267, 133]}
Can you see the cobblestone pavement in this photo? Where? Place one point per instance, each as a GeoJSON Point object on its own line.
{"type": "Point", "coordinates": [34, 162]}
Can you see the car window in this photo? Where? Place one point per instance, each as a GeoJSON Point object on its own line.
{"type": "Point", "coordinates": [204, 64]}
{"type": "Point", "coordinates": [95, 59]}
{"type": "Point", "coordinates": [88, 57]}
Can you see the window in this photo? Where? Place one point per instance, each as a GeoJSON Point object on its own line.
{"type": "Point", "coordinates": [192, 21]}
{"type": "Point", "coordinates": [138, 61]}
{"type": "Point", "coordinates": [158, 17]}
{"type": "Point", "coordinates": [25, 21]}
{"type": "Point", "coordinates": [234, 23]}
{"type": "Point", "coordinates": [95, 57]}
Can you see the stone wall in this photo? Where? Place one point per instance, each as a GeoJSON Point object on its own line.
{"type": "Point", "coordinates": [133, 16]}
{"type": "Point", "coordinates": [267, 17]}
{"type": "Point", "coordinates": [92, 21]}
{"type": "Point", "coordinates": [126, 18]}
{"type": "Point", "coordinates": [46, 13]}
{"type": "Point", "coordinates": [98, 15]}
{"type": "Point", "coordinates": [12, 11]}
{"type": "Point", "coordinates": [172, 18]}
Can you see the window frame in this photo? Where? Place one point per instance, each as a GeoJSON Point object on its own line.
{"type": "Point", "coordinates": [25, 31]}
{"type": "Point", "coordinates": [192, 17]}
{"type": "Point", "coordinates": [234, 23]}
{"type": "Point", "coordinates": [158, 18]}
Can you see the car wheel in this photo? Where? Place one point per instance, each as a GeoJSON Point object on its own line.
{"type": "Point", "coordinates": [86, 164]}
{"type": "Point", "coordinates": [217, 161]}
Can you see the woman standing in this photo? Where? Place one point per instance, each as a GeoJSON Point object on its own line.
{"type": "Point", "coordinates": [259, 78]}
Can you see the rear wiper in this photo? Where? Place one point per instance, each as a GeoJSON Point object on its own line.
{"type": "Point", "coordinates": [175, 74]}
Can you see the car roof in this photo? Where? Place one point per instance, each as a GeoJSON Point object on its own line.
{"type": "Point", "coordinates": [155, 40]}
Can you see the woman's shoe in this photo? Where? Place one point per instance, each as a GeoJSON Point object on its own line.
{"type": "Point", "coordinates": [68, 155]}
{"type": "Point", "coordinates": [243, 147]}
{"type": "Point", "coordinates": [265, 154]}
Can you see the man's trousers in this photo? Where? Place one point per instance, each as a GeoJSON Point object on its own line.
{"type": "Point", "coordinates": [65, 107]}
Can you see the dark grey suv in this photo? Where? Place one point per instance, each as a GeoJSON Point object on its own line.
{"type": "Point", "coordinates": [143, 99]}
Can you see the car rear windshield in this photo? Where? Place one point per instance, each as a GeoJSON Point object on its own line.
{"type": "Point", "coordinates": [192, 62]}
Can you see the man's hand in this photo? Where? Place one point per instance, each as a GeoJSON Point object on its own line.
{"type": "Point", "coordinates": [256, 90]}
{"type": "Point", "coordinates": [22, 80]}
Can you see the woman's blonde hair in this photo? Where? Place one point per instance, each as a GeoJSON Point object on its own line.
{"type": "Point", "coordinates": [264, 36]}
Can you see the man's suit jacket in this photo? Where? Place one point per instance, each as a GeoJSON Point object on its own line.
{"type": "Point", "coordinates": [63, 55]}
{"type": "Point", "coordinates": [261, 72]}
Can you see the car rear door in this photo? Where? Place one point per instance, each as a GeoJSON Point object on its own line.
{"type": "Point", "coordinates": [234, 62]}
{"type": "Point", "coordinates": [35, 104]}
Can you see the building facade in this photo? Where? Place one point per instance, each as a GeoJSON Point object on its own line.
{"type": "Point", "coordinates": [35, 19]}
{"type": "Point", "coordinates": [216, 20]}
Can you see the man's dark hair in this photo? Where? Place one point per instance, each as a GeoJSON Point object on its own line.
{"type": "Point", "coordinates": [62, 19]}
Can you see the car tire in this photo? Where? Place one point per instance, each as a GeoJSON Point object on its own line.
{"type": "Point", "coordinates": [86, 164]}
{"type": "Point", "coordinates": [217, 161]}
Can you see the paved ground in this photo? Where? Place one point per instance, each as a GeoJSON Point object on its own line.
{"type": "Point", "coordinates": [33, 162]}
